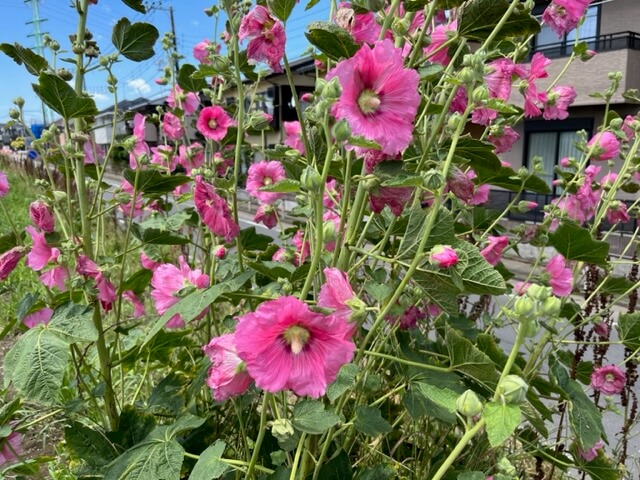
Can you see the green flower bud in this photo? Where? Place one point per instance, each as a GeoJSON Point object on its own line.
{"type": "Point", "coordinates": [59, 196]}
{"type": "Point", "coordinates": [524, 306]}
{"type": "Point", "coordinates": [468, 404]}
{"type": "Point", "coordinates": [341, 131]}
{"type": "Point", "coordinates": [467, 76]}
{"type": "Point", "coordinates": [329, 232]}
{"type": "Point", "coordinates": [14, 113]}
{"type": "Point", "coordinates": [433, 179]}
{"type": "Point", "coordinates": [480, 94]}
{"type": "Point", "coordinates": [537, 292]}
{"type": "Point", "coordinates": [54, 46]}
{"type": "Point", "coordinates": [513, 389]}
{"type": "Point", "coordinates": [454, 120]}
{"type": "Point", "coordinates": [311, 180]}
{"type": "Point", "coordinates": [19, 102]}
{"type": "Point", "coordinates": [65, 74]}
{"type": "Point", "coordinates": [551, 307]}
{"type": "Point", "coordinates": [400, 26]}
{"type": "Point", "coordinates": [332, 90]}
{"type": "Point", "coordinates": [282, 429]}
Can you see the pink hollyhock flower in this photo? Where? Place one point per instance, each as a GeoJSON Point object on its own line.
{"type": "Point", "coordinates": [287, 346]}
{"type": "Point", "coordinates": [504, 139]}
{"type": "Point", "coordinates": [214, 211]}
{"type": "Point", "coordinates": [11, 448]}
{"type": "Point", "coordinates": [493, 251]}
{"type": "Point", "coordinates": [533, 99]}
{"type": "Point", "coordinates": [590, 454]}
{"type": "Point", "coordinates": [106, 292]}
{"type": "Point", "coordinates": [4, 184]}
{"type": "Point", "coordinates": [92, 152]}
{"type": "Point", "coordinates": [581, 206]}
{"type": "Point", "coordinates": [394, 197]}
{"type": "Point", "coordinates": [609, 379]}
{"type": "Point", "coordinates": [500, 79]}
{"type": "Point", "coordinates": [629, 132]}
{"type": "Point", "coordinates": [163, 155]}
{"type": "Point", "coordinates": [520, 288]}
{"type": "Point", "coordinates": [9, 261]}
{"type": "Point", "coordinates": [41, 253]}
{"type": "Point", "coordinates": [558, 102]}
{"type": "Point", "coordinates": [408, 319]}
{"type": "Point", "coordinates": [564, 15]}
{"type": "Point", "coordinates": [461, 185]}
{"type": "Point", "coordinates": [171, 126]}
{"type": "Point", "coordinates": [187, 102]}
{"type": "Point", "coordinates": [605, 146]}
{"type": "Point", "coordinates": [331, 196]}
{"type": "Point", "coordinates": [281, 255]}
{"type": "Point", "coordinates": [379, 96]}
{"type": "Point", "coordinates": [306, 97]}
{"type": "Point", "coordinates": [228, 375]}
{"type": "Point", "coordinates": [609, 179]}
{"type": "Point", "coordinates": [565, 162]}
{"type": "Point", "coordinates": [483, 116]}
{"type": "Point", "coordinates": [262, 174]}
{"type": "Point", "coordinates": [617, 212]}
{"type": "Point", "coordinates": [220, 252]}
{"type": "Point", "coordinates": [459, 102]}
{"type": "Point", "coordinates": [222, 163]}
{"type": "Point", "coordinates": [266, 214]}
{"type": "Point", "coordinates": [191, 156]}
{"type": "Point", "coordinates": [213, 122]}
{"type": "Point", "coordinates": [87, 267]}
{"type": "Point", "coordinates": [601, 329]}
{"type": "Point", "coordinates": [170, 283]}
{"type": "Point", "coordinates": [332, 219]}
{"type": "Point", "coordinates": [147, 262]}
{"type": "Point", "coordinates": [133, 206]}
{"type": "Point", "coordinates": [201, 51]}
{"type": "Point", "coordinates": [336, 293]}
{"type": "Point", "coordinates": [362, 26]}
{"type": "Point", "coordinates": [266, 37]}
{"type": "Point", "coordinates": [560, 277]}
{"type": "Point", "coordinates": [293, 136]}
{"type": "Point", "coordinates": [138, 306]}
{"type": "Point", "coordinates": [141, 147]}
{"type": "Point", "coordinates": [435, 52]}
{"type": "Point", "coordinates": [443, 256]}
{"type": "Point", "coordinates": [36, 318]}
{"type": "Point", "coordinates": [303, 248]}
{"type": "Point", "coordinates": [55, 277]}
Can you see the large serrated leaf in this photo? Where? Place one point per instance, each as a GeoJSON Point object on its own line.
{"type": "Point", "coordinates": [310, 416]}
{"type": "Point", "coordinates": [134, 41]}
{"type": "Point", "coordinates": [370, 422]}
{"type": "Point", "coordinates": [436, 402]}
{"type": "Point", "coordinates": [89, 444]}
{"type": "Point", "coordinates": [333, 41]}
{"type": "Point", "coordinates": [629, 330]}
{"type": "Point", "coordinates": [281, 8]}
{"type": "Point", "coordinates": [34, 63]}
{"type": "Point", "coordinates": [209, 466]}
{"type": "Point", "coordinates": [73, 323]}
{"type": "Point", "coordinates": [478, 19]}
{"type": "Point", "coordinates": [575, 243]}
{"type": "Point", "coordinates": [153, 182]}
{"type": "Point", "coordinates": [155, 459]}
{"type": "Point", "coordinates": [156, 236]}
{"type": "Point", "coordinates": [442, 293]}
{"type": "Point", "coordinates": [60, 97]}
{"type": "Point", "coordinates": [344, 381]}
{"type": "Point", "coordinates": [502, 420]}
{"type": "Point", "coordinates": [187, 81]}
{"type": "Point", "coordinates": [136, 5]}
{"type": "Point", "coordinates": [442, 232]}
{"type": "Point", "coordinates": [467, 359]}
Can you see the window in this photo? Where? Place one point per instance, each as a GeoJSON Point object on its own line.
{"type": "Point", "coordinates": [552, 141]}
{"type": "Point", "coordinates": [548, 42]}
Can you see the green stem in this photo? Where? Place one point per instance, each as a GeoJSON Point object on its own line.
{"type": "Point", "coordinates": [388, 19]}
{"type": "Point", "coordinates": [466, 438]}
{"type": "Point", "coordinates": [425, 366]}
{"type": "Point", "coordinates": [261, 433]}
{"type": "Point", "coordinates": [296, 460]}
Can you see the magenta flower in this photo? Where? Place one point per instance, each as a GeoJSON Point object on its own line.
{"type": "Point", "coordinates": [222, 164]}
{"type": "Point", "coordinates": [55, 277]}
{"type": "Point", "coordinates": [36, 318]}
{"type": "Point", "coordinates": [558, 102]}
{"type": "Point", "coordinates": [11, 448]}
{"type": "Point", "coordinates": [41, 253]}
{"type": "Point", "coordinates": [407, 319]}
{"type": "Point", "coordinates": [609, 379]}
{"type": "Point", "coordinates": [560, 276]}
{"type": "Point", "coordinates": [213, 122]}
{"type": "Point", "coordinates": [106, 292]}
{"type": "Point", "coordinates": [172, 126]}
{"type": "Point", "coordinates": [287, 346]}
{"type": "Point", "coordinates": [87, 267]}
{"type": "Point", "coordinates": [303, 248]}
{"type": "Point", "coordinates": [483, 116]}
{"type": "Point", "coordinates": [266, 214]}
{"type": "Point", "coordinates": [187, 102]}
{"type": "Point", "coordinates": [435, 52]}
{"type": "Point", "coordinates": [163, 155]}
{"type": "Point", "coordinates": [228, 376]}
{"type": "Point", "coordinates": [141, 147]}
{"type": "Point", "coordinates": [214, 211]}
{"type": "Point", "coordinates": [266, 37]}
{"type": "Point", "coordinates": [504, 139]}
{"type": "Point", "coordinates": [362, 26]}
{"type": "Point", "coordinates": [394, 197]}
{"type": "Point", "coordinates": [220, 252]}
{"type": "Point", "coordinates": [617, 212]}
{"type": "Point", "coordinates": [581, 206]}
{"type": "Point", "coordinates": [138, 306]}
{"type": "Point", "coordinates": [262, 174]}
{"type": "Point", "coordinates": [336, 293]}
{"type": "Point", "coordinates": [331, 196]}
{"type": "Point", "coordinates": [147, 262]}
{"type": "Point", "coordinates": [493, 251]}
{"type": "Point", "coordinates": [443, 256]}
{"type": "Point", "coordinates": [564, 15]}
{"type": "Point", "coordinates": [293, 136]}
{"type": "Point", "coordinates": [170, 283]}
{"type": "Point", "coordinates": [605, 146]}
{"type": "Point", "coordinates": [533, 99]}
{"type": "Point", "coordinates": [4, 184]}
{"type": "Point", "coordinates": [379, 96]}
{"type": "Point", "coordinates": [191, 156]}
{"type": "Point", "coordinates": [9, 261]}
{"type": "Point", "coordinates": [92, 152]}
{"type": "Point", "coordinates": [201, 51]}
{"type": "Point", "coordinates": [627, 127]}
{"type": "Point", "coordinates": [499, 81]}
{"type": "Point", "coordinates": [590, 454]}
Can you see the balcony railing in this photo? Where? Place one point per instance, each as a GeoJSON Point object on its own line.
{"type": "Point", "coordinates": [601, 43]}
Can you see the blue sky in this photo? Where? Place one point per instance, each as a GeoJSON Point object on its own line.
{"type": "Point", "coordinates": [135, 79]}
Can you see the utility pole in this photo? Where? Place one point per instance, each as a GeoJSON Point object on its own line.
{"type": "Point", "coordinates": [175, 41]}
{"type": "Point", "coordinates": [39, 48]}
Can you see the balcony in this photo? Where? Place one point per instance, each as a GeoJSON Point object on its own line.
{"type": "Point", "coordinates": [601, 43]}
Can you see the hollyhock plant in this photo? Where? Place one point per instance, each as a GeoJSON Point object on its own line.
{"type": "Point", "coordinates": [201, 52]}
{"type": "Point", "coordinates": [214, 211]}
{"type": "Point", "coordinates": [4, 184]}
{"type": "Point", "coordinates": [191, 156]}
{"type": "Point", "coordinates": [500, 79]}
{"type": "Point", "coordinates": [303, 247]}
{"type": "Point", "coordinates": [604, 146]}
{"type": "Point", "coordinates": [332, 229]}
{"type": "Point", "coordinates": [408, 318]}
{"type": "Point", "coordinates": [617, 212]}
{"type": "Point", "coordinates": [379, 96]}
{"type": "Point", "coordinates": [213, 123]}
{"type": "Point", "coordinates": [493, 251]}
{"type": "Point", "coordinates": [41, 253]}
{"type": "Point", "coordinates": [609, 379]}
{"type": "Point", "coordinates": [266, 37]}
{"type": "Point", "coordinates": [560, 276]}
{"type": "Point", "coordinates": [11, 448]}
{"type": "Point", "coordinates": [267, 215]}
{"type": "Point", "coordinates": [227, 376]}
{"type": "Point", "coordinates": [286, 346]}
{"type": "Point", "coordinates": [394, 197]}
{"type": "Point", "coordinates": [262, 174]}
{"type": "Point", "coordinates": [55, 277]}
{"type": "Point", "coordinates": [331, 196]}
{"type": "Point", "coordinates": [443, 256]}
{"type": "Point", "coordinates": [590, 454]}
{"type": "Point", "coordinates": [559, 99]}
{"type": "Point", "coordinates": [170, 283]}
{"type": "Point", "coordinates": [187, 102]}
{"type": "Point", "coordinates": [163, 155]}
{"type": "Point", "coordinates": [9, 261]}
{"type": "Point", "coordinates": [436, 52]}
{"type": "Point", "coordinates": [563, 16]}
{"type": "Point", "coordinates": [172, 126]}
{"type": "Point", "coordinates": [138, 307]}
{"type": "Point", "coordinates": [336, 293]}
{"type": "Point", "coordinates": [293, 136]}
{"type": "Point", "coordinates": [534, 99]}
{"type": "Point", "coordinates": [147, 262]}
{"type": "Point", "coordinates": [503, 139]}
{"type": "Point", "coordinates": [141, 147]}
{"type": "Point", "coordinates": [134, 206]}
{"type": "Point", "coordinates": [92, 153]}
{"type": "Point", "coordinates": [42, 316]}
{"type": "Point", "coordinates": [362, 26]}
{"type": "Point", "coordinates": [222, 164]}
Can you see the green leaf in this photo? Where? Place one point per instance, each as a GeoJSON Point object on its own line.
{"type": "Point", "coordinates": [476, 153]}
{"type": "Point", "coordinates": [330, 39]}
{"type": "Point", "coordinates": [438, 290]}
{"type": "Point", "coordinates": [152, 459]}
{"type": "Point", "coordinates": [60, 97]}
{"type": "Point", "coordinates": [134, 41]}
{"type": "Point", "coordinates": [34, 63]}
{"type": "Point", "coordinates": [209, 466]}
{"type": "Point", "coordinates": [187, 81]}
{"type": "Point", "coordinates": [441, 234]}
{"type": "Point", "coordinates": [73, 323]}
{"type": "Point", "coordinates": [309, 416]}
{"type": "Point", "coordinates": [252, 241]}
{"type": "Point", "coordinates": [182, 425]}
{"type": "Point", "coordinates": [156, 236]}
{"type": "Point", "coordinates": [472, 476]}
{"type": "Point", "coordinates": [575, 243]}
{"type": "Point", "coordinates": [36, 365]}
{"type": "Point", "coordinates": [133, 427]}
{"type": "Point", "coordinates": [629, 330]}
{"type": "Point", "coordinates": [507, 178]}
{"type": "Point", "coordinates": [90, 445]}
{"type": "Point", "coordinates": [273, 270]}
{"type": "Point", "coordinates": [377, 472]}
{"type": "Point", "coordinates": [136, 5]}
{"type": "Point", "coordinates": [281, 8]}
{"type": "Point", "coordinates": [601, 468]}
{"type": "Point", "coordinates": [283, 186]}
{"type": "Point", "coordinates": [502, 420]}
{"type": "Point", "coordinates": [370, 422]}
{"type": "Point", "coordinates": [167, 398]}
{"type": "Point", "coordinates": [467, 359]}
{"type": "Point", "coordinates": [192, 305]}
{"type": "Point", "coordinates": [138, 282]}
{"type": "Point", "coordinates": [153, 182]}
{"type": "Point", "coordinates": [425, 399]}
{"type": "Point", "coordinates": [478, 19]}
{"type": "Point", "coordinates": [338, 468]}
{"type": "Point", "coordinates": [344, 381]}
{"type": "Point", "coordinates": [7, 410]}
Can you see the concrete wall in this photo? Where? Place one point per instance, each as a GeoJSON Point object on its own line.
{"type": "Point", "coordinates": [620, 16]}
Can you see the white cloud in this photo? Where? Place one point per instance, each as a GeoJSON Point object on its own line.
{"type": "Point", "coordinates": [100, 97]}
{"type": "Point", "coordinates": [139, 86]}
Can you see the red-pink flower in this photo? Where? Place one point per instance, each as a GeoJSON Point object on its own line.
{"type": "Point", "coordinates": [493, 251]}
{"type": "Point", "coordinates": [443, 256]}
{"type": "Point", "coordinates": [609, 379]}
{"type": "Point", "coordinates": [503, 139]}
{"type": "Point", "coordinates": [106, 292]}
{"type": "Point", "coordinates": [379, 96]}
{"type": "Point", "coordinates": [303, 248]}
{"type": "Point", "coordinates": [262, 174]}
{"type": "Point", "coordinates": [213, 122]}
{"type": "Point", "coordinates": [287, 346]}
{"type": "Point", "coordinates": [4, 184]}
{"type": "Point", "coordinates": [172, 126]}
{"type": "Point", "coordinates": [170, 283]}
{"type": "Point", "coordinates": [221, 163]}
{"type": "Point", "coordinates": [617, 212]}
{"type": "Point", "coordinates": [266, 37]}
{"type": "Point", "coordinates": [435, 52]}
{"type": "Point", "coordinates": [55, 277]}
{"type": "Point", "coordinates": [41, 253]}
{"type": "Point", "coordinates": [202, 50]}
{"type": "Point", "coordinates": [147, 262]}
{"type": "Point", "coordinates": [590, 454]}
{"type": "Point", "coordinates": [564, 15]}
{"type": "Point", "coordinates": [533, 99]}
{"type": "Point", "coordinates": [560, 276]}
{"type": "Point", "coordinates": [134, 205]}
{"type": "Point", "coordinates": [141, 147]}
{"type": "Point", "coordinates": [558, 102]}
{"type": "Point", "coordinates": [214, 211]}
{"type": "Point", "coordinates": [191, 156]}
{"type": "Point", "coordinates": [394, 197]}
{"type": "Point", "coordinates": [9, 261]}
{"type": "Point", "coordinates": [228, 376]}
{"type": "Point", "coordinates": [266, 214]}
{"type": "Point", "coordinates": [500, 79]}
{"type": "Point", "coordinates": [362, 26]}
{"type": "Point", "coordinates": [36, 318]}
{"type": "Point", "coordinates": [293, 136]}
{"type": "Point", "coordinates": [187, 102]}
{"type": "Point", "coordinates": [92, 152]}
{"type": "Point", "coordinates": [11, 448]}
{"type": "Point", "coordinates": [331, 196]}
{"type": "Point", "coordinates": [138, 306]}
{"type": "Point", "coordinates": [336, 293]}
{"type": "Point", "coordinates": [605, 146]}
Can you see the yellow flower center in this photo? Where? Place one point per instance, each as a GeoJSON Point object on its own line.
{"type": "Point", "coordinates": [267, 181]}
{"type": "Point", "coordinates": [368, 101]}
{"type": "Point", "coordinates": [296, 337]}
{"type": "Point", "coordinates": [213, 124]}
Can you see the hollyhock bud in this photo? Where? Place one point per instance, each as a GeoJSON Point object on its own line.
{"type": "Point", "coordinates": [524, 306]}
{"type": "Point", "coordinates": [220, 252]}
{"type": "Point", "coordinates": [9, 261]}
{"type": "Point", "coordinates": [266, 214]}
{"type": "Point", "coordinates": [461, 185]}
{"type": "Point", "coordinates": [493, 251]}
{"type": "Point", "coordinates": [41, 216]}
{"type": "Point", "coordinates": [311, 180]}
{"type": "Point", "coordinates": [513, 389]}
{"type": "Point", "coordinates": [608, 379]}
{"type": "Point", "coordinates": [617, 212]}
{"type": "Point", "coordinates": [604, 146]}
{"type": "Point", "coordinates": [11, 448]}
{"type": "Point", "coordinates": [443, 256]}
{"type": "Point", "coordinates": [468, 404]}
{"type": "Point", "coordinates": [524, 206]}
{"type": "Point", "coordinates": [341, 131]}
{"type": "Point", "coordinates": [551, 307]}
